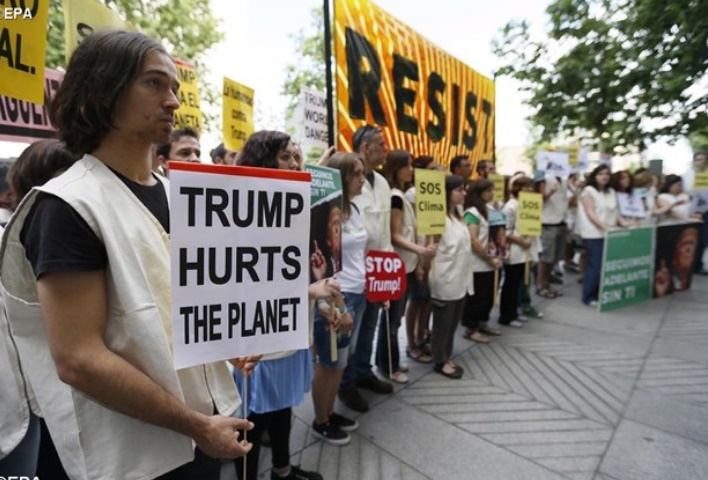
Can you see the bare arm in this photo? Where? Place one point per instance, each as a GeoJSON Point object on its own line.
{"type": "Point", "coordinates": [478, 249]}
{"type": "Point", "coordinates": [400, 241]}
{"type": "Point", "coordinates": [74, 305]}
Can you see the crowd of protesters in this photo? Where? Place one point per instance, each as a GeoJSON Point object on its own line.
{"type": "Point", "coordinates": [90, 390]}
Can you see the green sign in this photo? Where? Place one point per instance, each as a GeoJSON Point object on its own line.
{"type": "Point", "coordinates": [325, 222]}
{"type": "Point", "coordinates": [627, 266]}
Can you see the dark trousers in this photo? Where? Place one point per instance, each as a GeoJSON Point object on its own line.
{"type": "Point", "coordinates": [203, 466]}
{"type": "Point", "coordinates": [591, 280]}
{"type": "Point", "coordinates": [278, 425]}
{"type": "Point", "coordinates": [446, 316]}
{"type": "Point", "coordinates": [359, 366]}
{"type": "Point", "coordinates": [395, 313]}
{"type": "Point", "coordinates": [479, 306]}
{"type": "Point", "coordinates": [509, 300]}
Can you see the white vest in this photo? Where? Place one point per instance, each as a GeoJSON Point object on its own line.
{"type": "Point", "coordinates": [375, 206]}
{"type": "Point", "coordinates": [516, 253]}
{"type": "Point", "coordinates": [451, 272]}
{"type": "Point", "coordinates": [94, 442]}
{"type": "Point", "coordinates": [408, 230]}
{"type": "Point", "coordinates": [606, 210]}
{"type": "Point", "coordinates": [478, 263]}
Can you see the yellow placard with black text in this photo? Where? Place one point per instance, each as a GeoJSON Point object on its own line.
{"type": "Point", "coordinates": [530, 209]}
{"type": "Point", "coordinates": [701, 181]}
{"type": "Point", "coordinates": [189, 113]}
{"type": "Point", "coordinates": [237, 115]}
{"type": "Point", "coordinates": [83, 17]}
{"type": "Point", "coordinates": [499, 183]}
{"type": "Point", "coordinates": [430, 201]}
{"type": "Point", "coordinates": [424, 100]}
{"type": "Point", "coordinates": [23, 49]}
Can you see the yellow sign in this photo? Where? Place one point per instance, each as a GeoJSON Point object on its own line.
{"type": "Point", "coordinates": [530, 209]}
{"type": "Point", "coordinates": [23, 49]}
{"type": "Point", "coordinates": [237, 116]}
{"type": "Point", "coordinates": [424, 100]}
{"type": "Point", "coordinates": [499, 182]}
{"type": "Point", "coordinates": [430, 201]}
{"type": "Point", "coordinates": [573, 154]}
{"type": "Point", "coordinates": [188, 114]}
{"type": "Point", "coordinates": [82, 17]}
{"type": "Point", "coordinates": [701, 181]}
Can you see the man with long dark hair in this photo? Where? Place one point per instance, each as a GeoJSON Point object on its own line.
{"type": "Point", "coordinates": [85, 269]}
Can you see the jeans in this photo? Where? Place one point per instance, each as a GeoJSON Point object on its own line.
{"type": "Point", "coordinates": [359, 366]}
{"type": "Point", "coordinates": [22, 461]}
{"type": "Point", "coordinates": [591, 280]}
{"type": "Point", "coordinates": [395, 313]}
{"type": "Point", "coordinates": [355, 302]}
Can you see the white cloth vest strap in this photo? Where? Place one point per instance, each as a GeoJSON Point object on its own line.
{"type": "Point", "coordinates": [408, 230]}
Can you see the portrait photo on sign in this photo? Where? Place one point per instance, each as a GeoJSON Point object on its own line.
{"type": "Point", "coordinates": [326, 222]}
{"type": "Point", "coordinates": [676, 248]}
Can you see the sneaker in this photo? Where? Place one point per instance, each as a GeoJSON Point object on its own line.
{"type": "Point", "coordinates": [375, 385]}
{"type": "Point", "coordinates": [330, 434]}
{"type": "Point", "coordinates": [297, 473]}
{"type": "Point", "coordinates": [593, 304]}
{"type": "Point", "coordinates": [530, 312]}
{"type": "Point", "coordinates": [513, 323]}
{"type": "Point", "coordinates": [571, 267]}
{"type": "Point", "coordinates": [522, 318]}
{"type": "Point", "coordinates": [345, 424]}
{"type": "Point", "coordinates": [556, 280]}
{"type": "Point", "coordinates": [403, 367]}
{"type": "Point", "coordinates": [353, 400]}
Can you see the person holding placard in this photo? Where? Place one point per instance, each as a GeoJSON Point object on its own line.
{"type": "Point", "coordinates": [475, 317]}
{"type": "Point", "coordinates": [553, 232]}
{"type": "Point", "coordinates": [631, 207]}
{"type": "Point", "coordinates": [374, 203]}
{"type": "Point", "coordinates": [398, 171]}
{"type": "Point", "coordinates": [645, 190]}
{"type": "Point", "coordinates": [281, 380]}
{"type": "Point", "coordinates": [450, 280]}
{"type": "Point", "coordinates": [329, 425]}
{"type": "Point", "coordinates": [673, 205]}
{"type": "Point", "coordinates": [522, 249]}
{"type": "Point", "coordinates": [90, 310]}
{"type": "Point", "coordinates": [598, 213]}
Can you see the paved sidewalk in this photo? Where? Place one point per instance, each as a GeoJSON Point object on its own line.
{"type": "Point", "coordinates": [578, 395]}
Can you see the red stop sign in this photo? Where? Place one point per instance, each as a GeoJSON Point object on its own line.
{"type": "Point", "coordinates": [385, 276]}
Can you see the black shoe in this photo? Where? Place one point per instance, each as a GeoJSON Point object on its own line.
{"type": "Point", "coordinates": [456, 375]}
{"type": "Point", "coordinates": [343, 423]}
{"type": "Point", "coordinates": [556, 280]}
{"type": "Point", "coordinates": [375, 385]}
{"type": "Point", "coordinates": [353, 400]}
{"type": "Point", "coordinates": [330, 434]}
{"type": "Point", "coordinates": [297, 473]}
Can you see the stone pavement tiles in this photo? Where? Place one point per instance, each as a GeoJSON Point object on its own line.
{"type": "Point", "coordinates": [578, 395]}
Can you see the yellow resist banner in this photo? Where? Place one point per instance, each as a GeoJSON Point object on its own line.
{"type": "Point", "coordinates": [23, 49]}
{"type": "Point", "coordinates": [499, 183]}
{"type": "Point", "coordinates": [237, 116]}
{"type": "Point", "coordinates": [188, 114]}
{"type": "Point", "coordinates": [430, 201]}
{"type": "Point", "coordinates": [82, 17]}
{"type": "Point", "coordinates": [701, 181]}
{"type": "Point", "coordinates": [530, 209]}
{"type": "Point", "coordinates": [425, 101]}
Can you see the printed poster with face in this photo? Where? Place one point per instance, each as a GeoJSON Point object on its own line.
{"type": "Point", "coordinates": [497, 247]}
{"type": "Point", "coordinates": [326, 225]}
{"type": "Point", "coordinates": [676, 248]}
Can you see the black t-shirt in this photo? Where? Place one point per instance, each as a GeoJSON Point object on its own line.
{"type": "Point", "coordinates": [57, 239]}
{"type": "Point", "coordinates": [396, 203]}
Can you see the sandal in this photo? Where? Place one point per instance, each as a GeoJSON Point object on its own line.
{"type": "Point", "coordinates": [399, 377]}
{"type": "Point", "coordinates": [546, 293]}
{"type": "Point", "coordinates": [418, 355]}
{"type": "Point", "coordinates": [487, 330]}
{"type": "Point", "coordinates": [476, 336]}
{"type": "Point", "coordinates": [456, 373]}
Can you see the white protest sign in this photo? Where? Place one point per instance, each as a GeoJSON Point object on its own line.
{"type": "Point", "coordinates": [699, 201]}
{"type": "Point", "coordinates": [314, 118]}
{"type": "Point", "coordinates": [631, 206]}
{"type": "Point", "coordinates": [553, 163]}
{"type": "Point", "coordinates": [239, 261]}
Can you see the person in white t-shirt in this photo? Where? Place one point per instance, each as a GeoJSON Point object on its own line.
{"type": "Point", "coordinates": [553, 232]}
{"type": "Point", "coordinates": [673, 205]}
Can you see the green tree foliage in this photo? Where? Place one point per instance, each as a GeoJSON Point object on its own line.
{"type": "Point", "coordinates": [620, 72]}
{"type": "Point", "coordinates": [308, 69]}
{"type": "Point", "coordinates": [187, 29]}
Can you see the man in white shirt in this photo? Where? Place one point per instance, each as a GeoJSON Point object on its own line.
{"type": "Point", "coordinates": [553, 232]}
{"type": "Point", "coordinates": [374, 203]}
